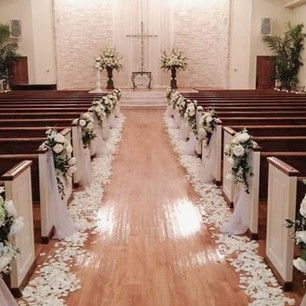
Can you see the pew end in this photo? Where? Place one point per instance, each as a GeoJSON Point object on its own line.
{"type": "Point", "coordinates": [17, 183]}
{"type": "Point", "coordinates": [282, 190]}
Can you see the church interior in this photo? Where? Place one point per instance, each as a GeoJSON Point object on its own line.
{"type": "Point", "coordinates": [152, 153]}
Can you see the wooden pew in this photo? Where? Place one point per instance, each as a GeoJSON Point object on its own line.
{"type": "Point", "coordinates": [18, 149]}
{"type": "Point", "coordinates": [286, 191]}
{"type": "Point", "coordinates": [17, 181]}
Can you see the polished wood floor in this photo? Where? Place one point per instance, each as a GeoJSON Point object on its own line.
{"type": "Point", "coordinates": [152, 248]}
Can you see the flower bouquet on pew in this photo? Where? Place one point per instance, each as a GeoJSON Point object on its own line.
{"type": "Point", "coordinates": [238, 153]}
{"type": "Point", "coordinates": [99, 110]}
{"type": "Point", "coordinates": [63, 162]}
{"type": "Point", "coordinates": [207, 124]}
{"type": "Point", "coordinates": [86, 123]}
{"type": "Point", "coordinates": [190, 115]}
{"type": "Point", "coordinates": [10, 224]}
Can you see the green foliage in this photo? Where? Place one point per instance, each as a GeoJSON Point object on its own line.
{"type": "Point", "coordinates": [8, 47]}
{"type": "Point", "coordinates": [287, 49]}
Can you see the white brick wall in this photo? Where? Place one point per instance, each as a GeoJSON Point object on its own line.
{"type": "Point", "coordinates": [200, 29]}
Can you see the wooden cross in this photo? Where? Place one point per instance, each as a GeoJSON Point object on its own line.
{"type": "Point", "coordinates": [142, 36]}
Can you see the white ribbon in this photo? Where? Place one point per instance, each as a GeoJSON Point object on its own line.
{"type": "Point", "coordinates": [208, 160]}
{"type": "Point", "coordinates": [62, 220]}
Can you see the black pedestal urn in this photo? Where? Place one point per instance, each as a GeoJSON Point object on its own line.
{"type": "Point", "coordinates": [173, 78]}
{"type": "Point", "coordinates": [110, 82]}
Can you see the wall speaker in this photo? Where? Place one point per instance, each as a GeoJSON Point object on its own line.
{"type": "Point", "coordinates": [266, 26]}
{"type": "Point", "coordinates": [15, 28]}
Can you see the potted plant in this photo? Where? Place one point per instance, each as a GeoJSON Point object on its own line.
{"type": "Point", "coordinates": [110, 60]}
{"type": "Point", "coordinates": [173, 61]}
{"type": "Point", "coordinates": [287, 49]}
{"type": "Point", "coordinates": [8, 54]}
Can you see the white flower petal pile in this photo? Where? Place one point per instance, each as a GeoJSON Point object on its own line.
{"type": "Point", "coordinates": [255, 278]}
{"type": "Point", "coordinates": [54, 279]}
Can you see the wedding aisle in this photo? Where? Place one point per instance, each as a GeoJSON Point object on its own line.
{"type": "Point", "coordinates": [152, 247]}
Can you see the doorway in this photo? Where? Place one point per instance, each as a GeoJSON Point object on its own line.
{"type": "Point", "coordinates": [265, 72]}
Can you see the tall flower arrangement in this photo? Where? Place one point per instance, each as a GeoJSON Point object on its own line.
{"type": "Point", "coordinates": [10, 224]}
{"type": "Point", "coordinates": [85, 122]}
{"type": "Point", "coordinates": [238, 156]}
{"type": "Point", "coordinates": [110, 59]}
{"type": "Point", "coordinates": [173, 61]}
{"type": "Point", "coordinates": [207, 124]}
{"type": "Point", "coordinates": [63, 162]}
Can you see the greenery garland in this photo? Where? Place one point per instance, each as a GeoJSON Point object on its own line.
{"type": "Point", "coordinates": [86, 124]}
{"type": "Point", "coordinates": [238, 156]}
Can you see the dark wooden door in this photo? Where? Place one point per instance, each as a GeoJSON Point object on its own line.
{"type": "Point", "coordinates": [265, 72]}
{"type": "Point", "coordinates": [19, 71]}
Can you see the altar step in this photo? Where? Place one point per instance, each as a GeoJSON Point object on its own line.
{"type": "Point", "coordinates": [143, 99]}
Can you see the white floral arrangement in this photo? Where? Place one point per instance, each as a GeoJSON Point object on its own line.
{"type": "Point", "coordinates": [299, 226]}
{"type": "Point", "coordinates": [10, 224]}
{"type": "Point", "coordinates": [174, 60]}
{"type": "Point", "coordinates": [110, 59]}
{"type": "Point", "coordinates": [175, 96]}
{"type": "Point", "coordinates": [238, 157]}
{"type": "Point", "coordinates": [63, 162]}
{"type": "Point", "coordinates": [190, 115]}
{"type": "Point", "coordinates": [207, 124]}
{"type": "Point", "coordinates": [86, 123]}
{"type": "Point", "coordinates": [181, 105]}
{"type": "Point", "coordinates": [105, 106]}
{"type": "Point", "coordinates": [99, 110]}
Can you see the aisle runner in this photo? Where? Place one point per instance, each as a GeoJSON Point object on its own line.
{"type": "Point", "coordinates": [54, 279]}
{"type": "Point", "coordinates": [256, 279]}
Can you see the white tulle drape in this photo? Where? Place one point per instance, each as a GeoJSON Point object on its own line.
{"type": "Point", "coordinates": [62, 220]}
{"type": "Point", "coordinates": [83, 161]}
{"type": "Point", "coordinates": [6, 298]}
{"type": "Point", "coordinates": [239, 221]}
{"type": "Point", "coordinates": [99, 145]}
{"type": "Point", "coordinates": [208, 160]}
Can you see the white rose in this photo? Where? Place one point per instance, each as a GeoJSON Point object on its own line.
{"type": "Point", "coordinates": [10, 208]}
{"type": "Point", "coordinates": [58, 148]}
{"type": "Point", "coordinates": [243, 137]}
{"type": "Point", "coordinates": [202, 132]}
{"type": "Point", "coordinates": [89, 126]}
{"type": "Point", "coordinates": [303, 207]}
{"type": "Point", "coordinates": [209, 119]}
{"type": "Point", "coordinates": [82, 122]}
{"type": "Point", "coordinates": [301, 236]}
{"type": "Point", "coordinates": [17, 225]}
{"type": "Point", "coordinates": [238, 150]}
{"type": "Point", "coordinates": [200, 109]}
{"type": "Point", "coordinates": [69, 149]}
{"type": "Point", "coordinates": [300, 264]}
{"type": "Point", "coordinates": [72, 161]}
{"type": "Point", "coordinates": [86, 116]}
{"type": "Point", "coordinates": [231, 161]}
{"type": "Point", "coordinates": [59, 138]}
